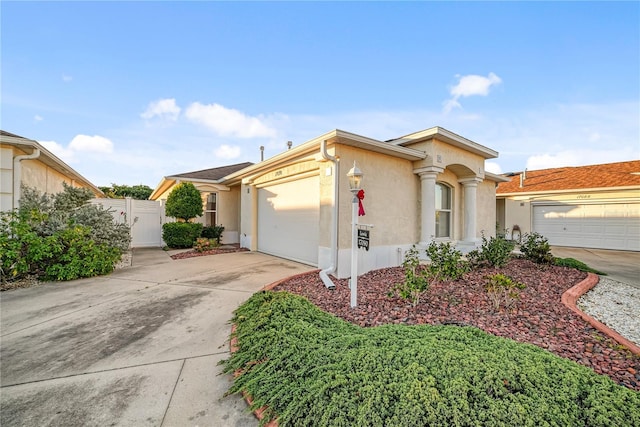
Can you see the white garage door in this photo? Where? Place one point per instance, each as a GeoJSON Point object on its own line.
{"type": "Point", "coordinates": [289, 220]}
{"type": "Point", "coordinates": [603, 226]}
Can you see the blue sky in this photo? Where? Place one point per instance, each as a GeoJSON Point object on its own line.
{"type": "Point", "coordinates": [128, 92]}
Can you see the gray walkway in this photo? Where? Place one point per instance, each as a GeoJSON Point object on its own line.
{"type": "Point", "coordinates": [623, 266]}
{"type": "Point", "coordinates": [137, 348]}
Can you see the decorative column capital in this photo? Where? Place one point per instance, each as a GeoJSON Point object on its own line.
{"type": "Point", "coordinates": [470, 181]}
{"type": "Point", "coordinates": [428, 172]}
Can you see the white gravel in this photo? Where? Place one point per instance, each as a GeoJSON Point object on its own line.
{"type": "Point", "coordinates": [615, 304]}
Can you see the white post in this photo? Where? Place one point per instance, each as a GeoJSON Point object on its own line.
{"type": "Point", "coordinates": [354, 252]}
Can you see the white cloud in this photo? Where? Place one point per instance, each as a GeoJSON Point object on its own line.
{"type": "Point", "coordinates": [228, 152]}
{"type": "Point", "coordinates": [229, 122]}
{"type": "Point", "coordinates": [63, 153]}
{"type": "Point", "coordinates": [470, 85]}
{"type": "Point", "coordinates": [96, 144]}
{"type": "Point", "coordinates": [580, 157]}
{"type": "Point", "coordinates": [66, 78]}
{"type": "Point", "coordinates": [166, 109]}
{"type": "Point", "coordinates": [492, 167]}
{"type": "Point", "coordinates": [38, 118]}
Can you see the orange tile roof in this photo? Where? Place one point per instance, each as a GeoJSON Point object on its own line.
{"type": "Point", "coordinates": [610, 175]}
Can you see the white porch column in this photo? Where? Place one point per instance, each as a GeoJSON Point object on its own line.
{"type": "Point", "coordinates": [428, 203]}
{"type": "Point", "coordinates": [470, 209]}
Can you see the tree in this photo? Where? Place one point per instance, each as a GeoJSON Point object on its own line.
{"type": "Point", "coordinates": [139, 192]}
{"type": "Point", "coordinates": [184, 202]}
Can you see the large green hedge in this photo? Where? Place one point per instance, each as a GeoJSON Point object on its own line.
{"type": "Point", "coordinates": [313, 369]}
{"type": "Point", "coordinates": [181, 234]}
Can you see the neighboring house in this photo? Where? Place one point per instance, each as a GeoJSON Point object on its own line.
{"type": "Point", "coordinates": [221, 204]}
{"type": "Point", "coordinates": [595, 206]}
{"type": "Point", "coordinates": [426, 186]}
{"type": "Point", "coordinates": [26, 162]}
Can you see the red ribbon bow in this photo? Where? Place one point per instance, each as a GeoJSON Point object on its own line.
{"type": "Point", "coordinates": [360, 207]}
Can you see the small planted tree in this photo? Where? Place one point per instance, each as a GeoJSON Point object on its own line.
{"type": "Point", "coordinates": [184, 203]}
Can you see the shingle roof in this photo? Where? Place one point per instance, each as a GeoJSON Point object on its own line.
{"type": "Point", "coordinates": [610, 175]}
{"type": "Point", "coordinates": [213, 174]}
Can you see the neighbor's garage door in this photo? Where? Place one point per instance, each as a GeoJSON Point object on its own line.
{"type": "Point", "coordinates": [603, 226]}
{"type": "Point", "coordinates": [288, 220]}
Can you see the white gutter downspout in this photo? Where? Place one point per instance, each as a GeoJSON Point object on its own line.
{"type": "Point", "coordinates": [17, 173]}
{"type": "Point", "coordinates": [324, 274]}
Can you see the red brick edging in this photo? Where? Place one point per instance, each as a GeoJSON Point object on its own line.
{"type": "Point", "coordinates": [570, 298]}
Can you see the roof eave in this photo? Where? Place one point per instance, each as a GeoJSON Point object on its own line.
{"type": "Point", "coordinates": [334, 136]}
{"type": "Point", "coordinates": [447, 136]}
{"type": "Point", "coordinates": [572, 190]}
{"type": "Point", "coordinates": [50, 159]}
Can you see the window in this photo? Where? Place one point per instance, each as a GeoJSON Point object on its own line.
{"type": "Point", "coordinates": [443, 211]}
{"type": "Point", "coordinates": [211, 209]}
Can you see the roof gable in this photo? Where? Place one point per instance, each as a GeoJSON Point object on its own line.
{"type": "Point", "coordinates": [213, 174]}
{"type": "Point", "coordinates": [609, 175]}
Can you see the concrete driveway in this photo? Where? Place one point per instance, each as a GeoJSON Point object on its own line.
{"type": "Point", "coordinates": [623, 266]}
{"type": "Point", "coordinates": [139, 347]}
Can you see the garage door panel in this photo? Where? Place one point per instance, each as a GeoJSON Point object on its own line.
{"type": "Point", "coordinates": [288, 220]}
{"type": "Point", "coordinates": [605, 226]}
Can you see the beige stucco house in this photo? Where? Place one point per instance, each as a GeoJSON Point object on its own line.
{"type": "Point", "coordinates": [596, 206]}
{"type": "Point", "coordinates": [25, 162]}
{"type": "Point", "coordinates": [429, 185]}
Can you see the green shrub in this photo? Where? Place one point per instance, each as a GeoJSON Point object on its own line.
{"type": "Point", "coordinates": [578, 265]}
{"type": "Point", "coordinates": [67, 254]}
{"type": "Point", "coordinates": [184, 202]}
{"type": "Point", "coordinates": [535, 247]}
{"type": "Point", "coordinates": [180, 234]}
{"type": "Point", "coordinates": [495, 252]}
{"type": "Point", "coordinates": [203, 244]}
{"type": "Point", "coordinates": [213, 232]}
{"type": "Point", "coordinates": [445, 261]}
{"type": "Point", "coordinates": [503, 290]}
{"type": "Point", "coordinates": [314, 369]}
{"type": "Point", "coordinates": [59, 237]}
{"type": "Point", "coordinates": [416, 278]}
{"type": "Point", "coordinates": [73, 254]}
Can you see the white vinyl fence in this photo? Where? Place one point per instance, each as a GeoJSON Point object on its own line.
{"type": "Point", "coordinates": [144, 217]}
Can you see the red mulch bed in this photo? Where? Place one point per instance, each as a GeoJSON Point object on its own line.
{"type": "Point", "coordinates": [538, 317]}
{"type": "Point", "coordinates": [222, 250]}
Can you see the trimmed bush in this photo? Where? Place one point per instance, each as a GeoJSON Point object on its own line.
{"type": "Point", "coordinates": [181, 234]}
{"type": "Point", "coordinates": [184, 202]}
{"type": "Point", "coordinates": [445, 261]}
{"type": "Point", "coordinates": [213, 232]}
{"type": "Point", "coordinates": [314, 369]}
{"type": "Point", "coordinates": [495, 252]}
{"type": "Point", "coordinates": [535, 247]}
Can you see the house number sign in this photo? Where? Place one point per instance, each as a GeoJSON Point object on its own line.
{"type": "Point", "coordinates": [363, 239]}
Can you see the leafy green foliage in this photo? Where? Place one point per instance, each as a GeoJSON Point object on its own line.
{"type": "Point", "coordinates": [535, 247]}
{"type": "Point", "coordinates": [578, 265]}
{"type": "Point", "coordinates": [59, 237]}
{"type": "Point", "coordinates": [213, 232]}
{"type": "Point", "coordinates": [73, 254]}
{"type": "Point", "coordinates": [184, 202]}
{"type": "Point", "coordinates": [139, 192]}
{"type": "Point", "coordinates": [181, 234]}
{"type": "Point", "coordinates": [503, 290]}
{"type": "Point", "coordinates": [445, 261]}
{"type": "Point", "coordinates": [203, 244]}
{"type": "Point", "coordinates": [416, 277]}
{"type": "Point", "coordinates": [495, 252]}
{"type": "Point", "coordinates": [314, 369]}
